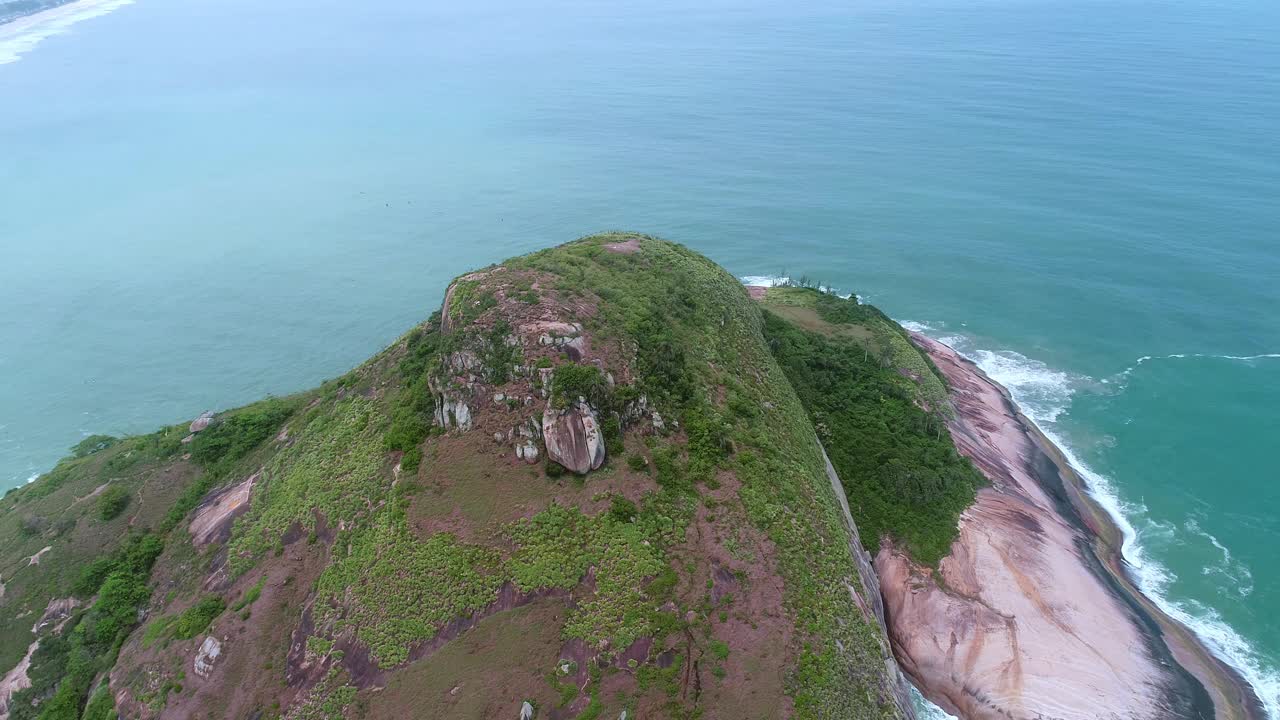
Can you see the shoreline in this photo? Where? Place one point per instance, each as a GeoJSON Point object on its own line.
{"type": "Point", "coordinates": [1230, 695]}
{"type": "Point", "coordinates": [1233, 697]}
{"type": "Point", "coordinates": [21, 34]}
{"type": "Point", "coordinates": [34, 13]}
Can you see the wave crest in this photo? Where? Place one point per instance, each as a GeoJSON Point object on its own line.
{"type": "Point", "coordinates": [21, 36]}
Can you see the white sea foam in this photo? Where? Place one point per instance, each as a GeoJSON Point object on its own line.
{"type": "Point", "coordinates": [1044, 394]}
{"type": "Point", "coordinates": [781, 280]}
{"type": "Point", "coordinates": [32, 479]}
{"type": "Point", "coordinates": [1238, 577]}
{"type": "Point", "coordinates": [765, 280]}
{"type": "Point", "coordinates": [21, 36]}
{"type": "Point", "coordinates": [1183, 356]}
{"type": "Point", "coordinates": [926, 710]}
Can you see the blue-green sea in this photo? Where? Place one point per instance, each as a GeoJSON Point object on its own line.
{"type": "Point", "coordinates": [205, 201]}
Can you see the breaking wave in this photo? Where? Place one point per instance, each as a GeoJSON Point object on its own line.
{"type": "Point", "coordinates": [926, 710]}
{"type": "Point", "coordinates": [21, 36]}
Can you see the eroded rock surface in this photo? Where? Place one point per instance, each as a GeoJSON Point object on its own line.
{"type": "Point", "coordinates": [213, 519]}
{"type": "Point", "coordinates": [207, 656]}
{"type": "Point", "coordinates": [573, 437]}
{"type": "Point", "coordinates": [201, 422]}
{"type": "Point", "coordinates": [1022, 624]}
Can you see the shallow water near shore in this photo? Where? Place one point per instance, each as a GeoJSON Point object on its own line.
{"type": "Point", "coordinates": [207, 202]}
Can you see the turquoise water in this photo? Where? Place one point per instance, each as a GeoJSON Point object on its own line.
{"type": "Point", "coordinates": [202, 202]}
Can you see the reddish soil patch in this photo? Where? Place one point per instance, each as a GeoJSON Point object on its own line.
{"type": "Point", "coordinates": [250, 674]}
{"type": "Point", "coordinates": [626, 247]}
{"type": "Point", "coordinates": [757, 292]}
{"type": "Point", "coordinates": [485, 673]}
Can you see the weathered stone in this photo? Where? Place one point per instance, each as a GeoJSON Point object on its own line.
{"type": "Point", "coordinates": [573, 437]}
{"type": "Point", "coordinates": [462, 361]}
{"type": "Point", "coordinates": [55, 613]}
{"type": "Point", "coordinates": [201, 422]}
{"type": "Point", "coordinates": [452, 412]}
{"type": "Point", "coordinates": [527, 452]}
{"type": "Point", "coordinates": [544, 376]}
{"type": "Point", "coordinates": [526, 711]}
{"type": "Point", "coordinates": [208, 654]}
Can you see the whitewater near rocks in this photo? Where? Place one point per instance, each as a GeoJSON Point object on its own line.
{"type": "Point", "coordinates": [1020, 619]}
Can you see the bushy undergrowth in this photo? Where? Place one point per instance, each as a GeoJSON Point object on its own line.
{"type": "Point", "coordinates": [112, 502]}
{"type": "Point", "coordinates": [897, 462]}
{"type": "Point", "coordinates": [238, 433]}
{"type": "Point", "coordinates": [333, 469]}
{"type": "Point", "coordinates": [399, 589]}
{"type": "Point", "coordinates": [65, 666]}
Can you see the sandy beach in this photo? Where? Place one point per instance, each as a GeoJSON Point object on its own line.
{"type": "Point", "coordinates": [1032, 615]}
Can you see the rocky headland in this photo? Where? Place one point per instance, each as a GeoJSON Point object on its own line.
{"type": "Point", "coordinates": [1031, 614]}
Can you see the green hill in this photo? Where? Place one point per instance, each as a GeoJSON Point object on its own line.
{"type": "Point", "coordinates": [586, 484]}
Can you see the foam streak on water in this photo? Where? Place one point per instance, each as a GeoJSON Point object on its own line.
{"type": "Point", "coordinates": [926, 710]}
{"type": "Point", "coordinates": [1043, 394]}
{"type": "Point", "coordinates": [21, 36]}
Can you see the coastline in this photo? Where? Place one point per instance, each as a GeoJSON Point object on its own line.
{"type": "Point", "coordinates": [22, 33]}
{"type": "Point", "coordinates": [5, 20]}
{"type": "Point", "coordinates": [1234, 698]}
{"type": "Point", "coordinates": [1230, 696]}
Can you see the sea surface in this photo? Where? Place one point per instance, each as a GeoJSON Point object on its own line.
{"type": "Point", "coordinates": [202, 202]}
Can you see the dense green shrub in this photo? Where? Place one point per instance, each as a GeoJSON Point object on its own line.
{"type": "Point", "coordinates": [101, 705]}
{"type": "Point", "coordinates": [240, 432]}
{"type": "Point", "coordinates": [135, 556]}
{"type": "Point", "coordinates": [93, 444]}
{"type": "Point", "coordinates": [897, 462]}
{"type": "Point", "coordinates": [196, 619]}
{"type": "Point", "coordinates": [571, 381]}
{"type": "Point", "coordinates": [112, 502]}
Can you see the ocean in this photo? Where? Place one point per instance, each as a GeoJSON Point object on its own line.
{"type": "Point", "coordinates": [205, 202]}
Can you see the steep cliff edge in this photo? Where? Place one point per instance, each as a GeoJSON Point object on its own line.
{"type": "Point", "coordinates": [583, 489]}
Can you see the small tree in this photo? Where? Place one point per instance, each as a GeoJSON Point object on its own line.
{"type": "Point", "coordinates": [112, 502]}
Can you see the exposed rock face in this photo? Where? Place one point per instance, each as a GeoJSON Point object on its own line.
{"type": "Point", "coordinates": [55, 614]}
{"type": "Point", "coordinates": [868, 598]}
{"type": "Point", "coordinates": [201, 422]}
{"type": "Point", "coordinates": [16, 680]}
{"type": "Point", "coordinates": [452, 412]}
{"type": "Point", "coordinates": [208, 654]}
{"type": "Point", "coordinates": [213, 518]}
{"type": "Point", "coordinates": [573, 437]}
{"type": "Point", "coordinates": [527, 452]}
{"type": "Point", "coordinates": [1023, 625]}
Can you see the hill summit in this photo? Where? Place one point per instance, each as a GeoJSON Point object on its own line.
{"type": "Point", "coordinates": [584, 488]}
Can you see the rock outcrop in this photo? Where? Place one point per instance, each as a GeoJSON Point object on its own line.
{"type": "Point", "coordinates": [207, 656]}
{"type": "Point", "coordinates": [201, 422]}
{"type": "Point", "coordinates": [213, 518]}
{"type": "Point", "coordinates": [573, 437]}
{"type": "Point", "coordinates": [868, 597]}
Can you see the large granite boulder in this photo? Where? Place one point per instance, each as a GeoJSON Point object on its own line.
{"type": "Point", "coordinates": [573, 437]}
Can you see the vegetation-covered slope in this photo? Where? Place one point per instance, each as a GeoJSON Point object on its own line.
{"type": "Point", "coordinates": [585, 485]}
{"type": "Point", "coordinates": [879, 407]}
